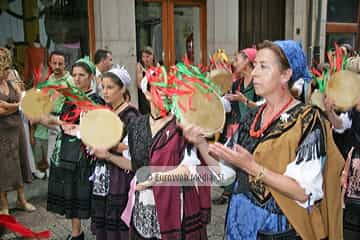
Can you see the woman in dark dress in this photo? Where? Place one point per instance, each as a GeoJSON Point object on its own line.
{"type": "Point", "coordinates": [111, 183]}
{"type": "Point", "coordinates": [162, 212]}
{"type": "Point", "coordinates": [69, 188]}
{"type": "Point", "coordinates": [242, 99]}
{"type": "Point", "coordinates": [14, 164]}
{"type": "Point", "coordinates": [287, 165]}
{"type": "Point", "coordinates": [147, 61]}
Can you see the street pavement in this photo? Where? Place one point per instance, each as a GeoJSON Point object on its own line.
{"type": "Point", "coordinates": [60, 227]}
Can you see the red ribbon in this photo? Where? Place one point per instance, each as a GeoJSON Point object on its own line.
{"type": "Point", "coordinates": [339, 57]}
{"type": "Point", "coordinates": [81, 106]}
{"type": "Point", "coordinates": [37, 72]}
{"type": "Point", "coordinates": [316, 72]}
{"type": "Point", "coordinates": [10, 223]}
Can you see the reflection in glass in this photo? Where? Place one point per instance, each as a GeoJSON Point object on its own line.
{"type": "Point", "coordinates": [339, 38]}
{"type": "Point", "coordinates": [187, 33]}
{"type": "Point", "coordinates": [342, 11]}
{"type": "Point", "coordinates": [148, 18]}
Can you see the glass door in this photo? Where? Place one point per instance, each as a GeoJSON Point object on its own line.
{"type": "Point", "coordinates": [149, 28]}
{"type": "Point", "coordinates": [173, 28]}
{"type": "Point", "coordinates": [187, 33]}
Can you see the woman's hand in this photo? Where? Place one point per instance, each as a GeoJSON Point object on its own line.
{"type": "Point", "coordinates": [33, 120]}
{"type": "Point", "coordinates": [236, 97]}
{"type": "Point", "coordinates": [239, 157]}
{"type": "Point", "coordinates": [329, 104]}
{"type": "Point", "coordinates": [121, 147]}
{"type": "Point", "coordinates": [154, 178]}
{"type": "Point", "coordinates": [346, 170]}
{"type": "Point", "coordinates": [193, 134]}
{"type": "Point", "coordinates": [55, 121]}
{"type": "Point", "coordinates": [145, 185]}
{"type": "Point", "coordinates": [101, 153]}
{"type": "Point", "coordinates": [139, 74]}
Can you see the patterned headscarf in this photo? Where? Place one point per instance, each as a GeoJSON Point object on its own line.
{"type": "Point", "coordinates": [250, 53]}
{"type": "Point", "coordinates": [89, 63]}
{"type": "Point", "coordinates": [296, 58]}
{"type": "Point", "coordinates": [5, 59]}
{"type": "Point", "coordinates": [123, 74]}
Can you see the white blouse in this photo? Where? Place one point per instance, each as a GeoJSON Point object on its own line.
{"type": "Point", "coordinates": [307, 167]}
{"type": "Point", "coordinates": [346, 123]}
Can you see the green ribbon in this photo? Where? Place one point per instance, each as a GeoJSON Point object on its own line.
{"type": "Point", "coordinates": [70, 88]}
{"type": "Point", "coordinates": [196, 73]}
{"type": "Point", "coordinates": [345, 63]}
{"type": "Point", "coordinates": [322, 82]}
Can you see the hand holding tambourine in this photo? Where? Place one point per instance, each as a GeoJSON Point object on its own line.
{"type": "Point", "coordinates": [343, 88]}
{"type": "Point", "coordinates": [204, 110]}
{"type": "Point", "coordinates": [36, 104]}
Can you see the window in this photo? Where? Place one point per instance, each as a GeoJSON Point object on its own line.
{"type": "Point", "coordinates": [260, 20]}
{"type": "Point", "coordinates": [342, 23]}
{"type": "Point", "coordinates": [50, 25]}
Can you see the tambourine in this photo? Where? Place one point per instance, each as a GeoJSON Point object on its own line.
{"type": "Point", "coordinates": [222, 78]}
{"type": "Point", "coordinates": [206, 111]}
{"type": "Point", "coordinates": [343, 88]}
{"type": "Point", "coordinates": [36, 104]}
{"type": "Point", "coordinates": [317, 99]}
{"type": "Point", "coordinates": [101, 128]}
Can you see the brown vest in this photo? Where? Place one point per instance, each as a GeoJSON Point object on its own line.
{"type": "Point", "coordinates": [325, 218]}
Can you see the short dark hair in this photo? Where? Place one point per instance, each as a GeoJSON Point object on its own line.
{"type": "Point", "coordinates": [114, 78]}
{"type": "Point", "coordinates": [83, 66]}
{"type": "Point", "coordinates": [101, 54]}
{"type": "Point", "coordinates": [56, 52]}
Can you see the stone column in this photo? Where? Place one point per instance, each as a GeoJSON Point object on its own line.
{"type": "Point", "coordinates": [222, 26]}
{"type": "Point", "coordinates": [115, 31]}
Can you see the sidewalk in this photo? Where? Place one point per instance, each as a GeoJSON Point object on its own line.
{"type": "Point", "coordinates": [41, 219]}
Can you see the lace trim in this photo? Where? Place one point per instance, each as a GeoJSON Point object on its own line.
{"type": "Point", "coordinates": [145, 220]}
{"type": "Point", "coordinates": [101, 179]}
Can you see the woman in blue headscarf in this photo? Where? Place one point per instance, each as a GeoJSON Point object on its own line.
{"type": "Point", "coordinates": [283, 154]}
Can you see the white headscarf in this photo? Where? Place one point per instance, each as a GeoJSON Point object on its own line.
{"type": "Point", "coordinates": [123, 74]}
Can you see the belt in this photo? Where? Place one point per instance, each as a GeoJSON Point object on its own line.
{"type": "Point", "coordinates": [250, 196]}
{"type": "Point", "coordinates": [288, 235]}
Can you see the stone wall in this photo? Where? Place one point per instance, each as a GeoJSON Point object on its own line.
{"type": "Point", "coordinates": [115, 30]}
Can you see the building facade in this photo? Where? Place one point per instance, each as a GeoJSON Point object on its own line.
{"type": "Point", "coordinates": [210, 24]}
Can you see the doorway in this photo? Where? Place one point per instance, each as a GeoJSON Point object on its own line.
{"type": "Point", "coordinates": [260, 20]}
{"type": "Point", "coordinates": [173, 28]}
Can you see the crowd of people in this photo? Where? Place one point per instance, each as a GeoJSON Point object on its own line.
{"type": "Point", "coordinates": [291, 179]}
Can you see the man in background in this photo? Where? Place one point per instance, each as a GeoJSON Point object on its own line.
{"type": "Point", "coordinates": [103, 61]}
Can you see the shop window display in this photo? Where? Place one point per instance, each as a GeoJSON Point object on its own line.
{"type": "Point", "coordinates": [32, 29]}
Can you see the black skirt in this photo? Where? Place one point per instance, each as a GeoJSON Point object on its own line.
{"type": "Point", "coordinates": [69, 191]}
{"type": "Point", "coordinates": [106, 222]}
